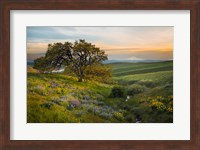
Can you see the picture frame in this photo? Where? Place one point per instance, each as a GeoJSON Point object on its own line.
{"type": "Point", "coordinates": [6, 6]}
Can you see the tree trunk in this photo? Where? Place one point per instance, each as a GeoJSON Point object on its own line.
{"type": "Point", "coordinates": [80, 75]}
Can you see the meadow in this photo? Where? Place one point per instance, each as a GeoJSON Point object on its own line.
{"type": "Point", "coordinates": [139, 93]}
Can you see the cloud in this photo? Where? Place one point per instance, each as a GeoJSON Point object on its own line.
{"type": "Point", "coordinates": [45, 33]}
{"type": "Point", "coordinates": [141, 42]}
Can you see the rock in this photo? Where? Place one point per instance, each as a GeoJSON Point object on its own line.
{"type": "Point", "coordinates": [74, 103]}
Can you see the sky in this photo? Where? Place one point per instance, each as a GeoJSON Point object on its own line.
{"type": "Point", "coordinates": [120, 43]}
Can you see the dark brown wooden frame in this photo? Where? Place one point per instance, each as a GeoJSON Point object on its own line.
{"type": "Point", "coordinates": [7, 5]}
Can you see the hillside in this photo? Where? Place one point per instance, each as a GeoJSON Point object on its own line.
{"type": "Point", "coordinates": [49, 97]}
{"type": "Point", "coordinates": [147, 96]}
{"type": "Point", "coordinates": [122, 69]}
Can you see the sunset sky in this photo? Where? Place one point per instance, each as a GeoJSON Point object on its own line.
{"type": "Point", "coordinates": [120, 43]}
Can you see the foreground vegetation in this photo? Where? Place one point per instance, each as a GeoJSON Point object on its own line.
{"type": "Point", "coordinates": [139, 92]}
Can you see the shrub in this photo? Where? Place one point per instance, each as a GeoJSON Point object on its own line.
{"type": "Point", "coordinates": [130, 118]}
{"type": "Point", "coordinates": [118, 116]}
{"type": "Point", "coordinates": [147, 83]}
{"type": "Point", "coordinates": [135, 89]}
{"type": "Point", "coordinates": [161, 103]}
{"type": "Point", "coordinates": [99, 72]}
{"type": "Point", "coordinates": [117, 91]}
{"type": "Point", "coordinates": [158, 105]}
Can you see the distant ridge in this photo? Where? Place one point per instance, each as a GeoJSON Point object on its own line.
{"type": "Point", "coordinates": [132, 61]}
{"type": "Point", "coordinates": [31, 63]}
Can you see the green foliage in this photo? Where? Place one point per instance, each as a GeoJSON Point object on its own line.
{"type": "Point", "coordinates": [147, 83]}
{"type": "Point", "coordinates": [99, 72]}
{"type": "Point", "coordinates": [41, 64]}
{"type": "Point", "coordinates": [135, 89]}
{"type": "Point", "coordinates": [119, 116]}
{"type": "Point", "coordinates": [130, 118]}
{"type": "Point", "coordinates": [77, 57]}
{"type": "Point", "coordinates": [118, 91]}
{"type": "Point", "coordinates": [59, 54]}
{"type": "Point", "coordinates": [162, 103]}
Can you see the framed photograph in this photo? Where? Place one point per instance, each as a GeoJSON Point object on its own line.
{"type": "Point", "coordinates": [99, 74]}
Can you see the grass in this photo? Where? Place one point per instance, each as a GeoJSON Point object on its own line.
{"type": "Point", "coordinates": [160, 78]}
{"type": "Point", "coordinates": [50, 95]}
{"type": "Point", "coordinates": [123, 69]}
{"type": "Point", "coordinates": [44, 88]}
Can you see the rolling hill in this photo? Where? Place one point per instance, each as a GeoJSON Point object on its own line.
{"type": "Point", "coordinates": [147, 89]}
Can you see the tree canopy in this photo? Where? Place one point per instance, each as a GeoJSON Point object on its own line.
{"type": "Point", "coordinates": [77, 56]}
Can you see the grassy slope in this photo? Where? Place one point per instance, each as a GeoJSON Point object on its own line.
{"type": "Point", "coordinates": [160, 74]}
{"type": "Point", "coordinates": [44, 88]}
{"type": "Point", "coordinates": [123, 69]}
{"type": "Point", "coordinates": [160, 77]}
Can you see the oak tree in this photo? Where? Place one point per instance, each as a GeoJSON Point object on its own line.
{"type": "Point", "coordinates": [77, 57]}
